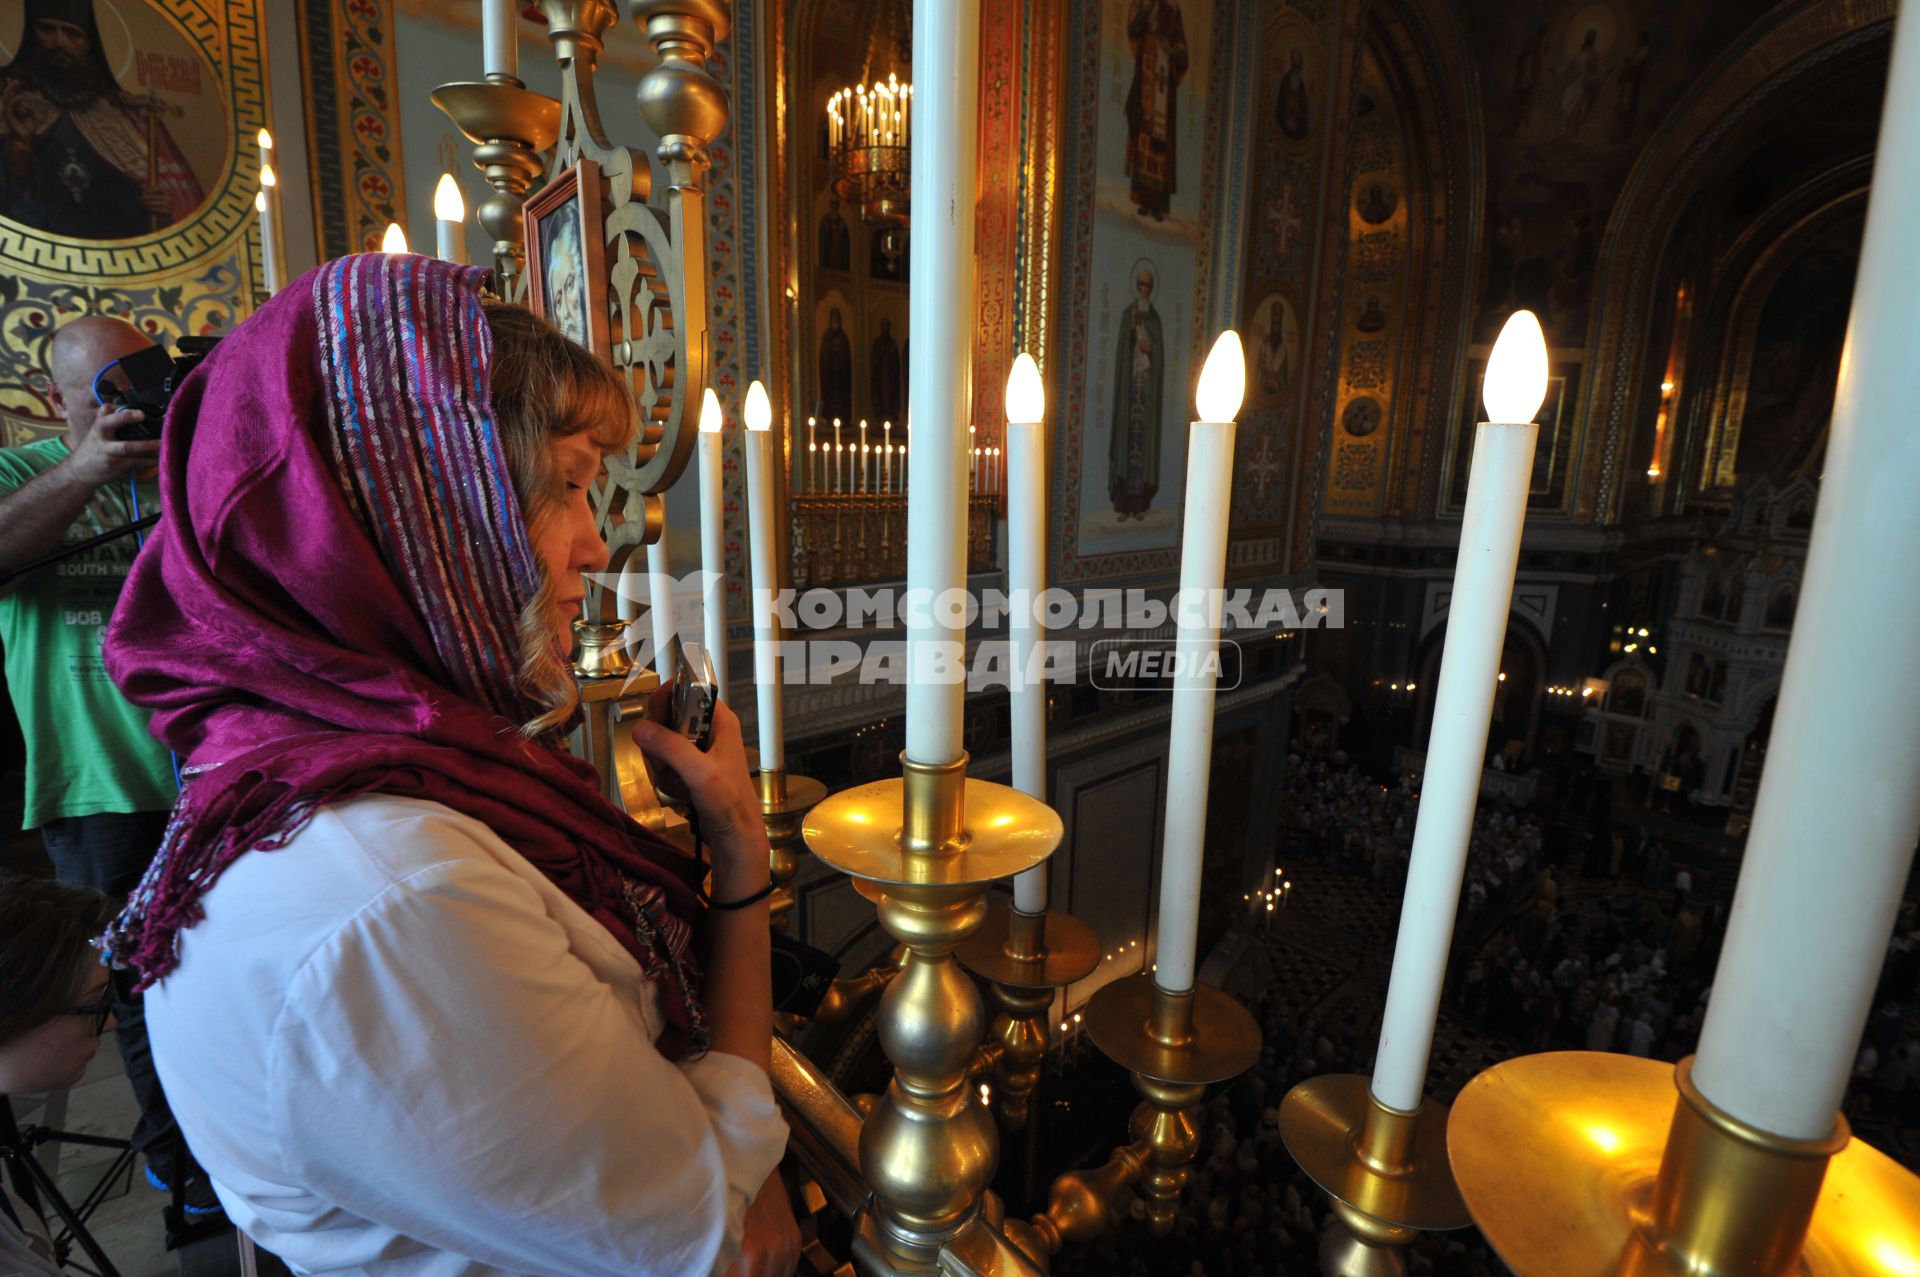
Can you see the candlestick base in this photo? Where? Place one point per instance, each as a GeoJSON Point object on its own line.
{"type": "Point", "coordinates": [1223, 1040]}
{"type": "Point", "coordinates": [1385, 1170]}
{"type": "Point", "coordinates": [1025, 957]}
{"type": "Point", "coordinates": [1067, 951]}
{"type": "Point", "coordinates": [785, 800]}
{"type": "Point", "coordinates": [1580, 1162]}
{"type": "Point", "coordinates": [1001, 832]}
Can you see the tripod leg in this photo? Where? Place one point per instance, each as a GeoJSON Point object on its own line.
{"type": "Point", "coordinates": [40, 1189]}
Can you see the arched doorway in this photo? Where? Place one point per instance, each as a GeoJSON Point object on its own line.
{"type": "Point", "coordinates": [1516, 698]}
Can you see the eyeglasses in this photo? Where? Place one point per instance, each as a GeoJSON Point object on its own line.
{"type": "Point", "coordinates": [101, 1011]}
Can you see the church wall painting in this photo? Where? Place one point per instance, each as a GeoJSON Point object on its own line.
{"type": "Point", "coordinates": [135, 200]}
{"type": "Point", "coordinates": [1147, 98]}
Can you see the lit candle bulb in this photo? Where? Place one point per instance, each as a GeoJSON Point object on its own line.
{"type": "Point", "coordinates": [449, 220]}
{"type": "Point", "coordinates": [395, 240]}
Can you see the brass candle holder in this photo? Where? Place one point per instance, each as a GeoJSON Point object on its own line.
{"type": "Point", "coordinates": [1175, 1044]}
{"type": "Point", "coordinates": [1025, 957]}
{"type": "Point", "coordinates": [510, 127]}
{"type": "Point", "coordinates": [785, 799]}
{"type": "Point", "coordinates": [1385, 1170]}
{"type": "Point", "coordinates": [927, 846]}
{"type": "Point", "coordinates": [1583, 1162]}
{"type": "Point", "coordinates": [1079, 1205]}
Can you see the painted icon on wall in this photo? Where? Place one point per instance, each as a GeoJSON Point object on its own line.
{"type": "Point", "coordinates": [566, 255]}
{"type": "Point", "coordinates": [112, 123]}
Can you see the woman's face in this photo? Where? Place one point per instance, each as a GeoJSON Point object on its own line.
{"type": "Point", "coordinates": [55, 1055]}
{"type": "Point", "coordinates": [567, 540]}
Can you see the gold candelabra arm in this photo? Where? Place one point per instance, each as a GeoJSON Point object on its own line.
{"type": "Point", "coordinates": [848, 994]}
{"type": "Point", "coordinates": [1079, 1204]}
{"type": "Point", "coordinates": [682, 103]}
{"type": "Point", "coordinates": [1165, 1123]}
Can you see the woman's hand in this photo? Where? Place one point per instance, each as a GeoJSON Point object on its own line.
{"type": "Point", "coordinates": [771, 1247]}
{"type": "Point", "coordinates": [722, 789]}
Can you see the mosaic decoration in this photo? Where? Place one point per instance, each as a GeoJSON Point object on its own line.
{"type": "Point", "coordinates": [347, 63]}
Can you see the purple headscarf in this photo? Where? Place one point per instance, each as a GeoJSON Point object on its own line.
{"type": "Point", "coordinates": [331, 608]}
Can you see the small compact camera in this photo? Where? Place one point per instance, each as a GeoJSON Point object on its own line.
{"type": "Point", "coordinates": [152, 377]}
{"type": "Point", "coordinates": [690, 709]}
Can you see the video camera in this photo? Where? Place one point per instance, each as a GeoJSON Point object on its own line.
{"type": "Point", "coordinates": [152, 377]}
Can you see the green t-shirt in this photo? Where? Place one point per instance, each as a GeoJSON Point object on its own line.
{"type": "Point", "coordinates": [88, 750]}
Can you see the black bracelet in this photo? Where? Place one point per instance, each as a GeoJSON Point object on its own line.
{"type": "Point", "coordinates": [742, 902]}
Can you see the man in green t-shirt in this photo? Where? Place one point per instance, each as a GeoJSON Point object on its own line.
{"type": "Point", "coordinates": [98, 787]}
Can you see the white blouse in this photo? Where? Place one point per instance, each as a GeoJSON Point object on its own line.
{"type": "Point", "coordinates": [398, 1048]}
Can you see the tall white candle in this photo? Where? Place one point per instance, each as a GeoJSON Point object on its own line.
{"type": "Point", "coordinates": [1197, 607]}
{"type": "Point", "coordinates": [660, 603]}
{"type": "Point", "coordinates": [1026, 578]}
{"type": "Point", "coordinates": [713, 539]}
{"type": "Point", "coordinates": [500, 50]}
{"type": "Point", "coordinates": [273, 249]}
{"type": "Point", "coordinates": [765, 581]}
{"type": "Point", "coordinates": [449, 220]}
{"type": "Point", "coordinates": [861, 484]}
{"type": "Point", "coordinates": [628, 594]}
{"type": "Point", "coordinates": [1838, 808]}
{"type": "Point", "coordinates": [1462, 706]}
{"type": "Point", "coordinates": [946, 73]}
{"type": "Point", "coordinates": [839, 456]}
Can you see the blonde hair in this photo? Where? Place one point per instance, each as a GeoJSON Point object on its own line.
{"type": "Point", "coordinates": [544, 387]}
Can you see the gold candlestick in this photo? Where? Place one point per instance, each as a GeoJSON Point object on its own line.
{"type": "Point", "coordinates": [1577, 1162]}
{"type": "Point", "coordinates": [785, 800]}
{"type": "Point", "coordinates": [927, 846]}
{"type": "Point", "coordinates": [1385, 1170]}
{"type": "Point", "coordinates": [1025, 957]}
{"type": "Point", "coordinates": [509, 126]}
{"type": "Point", "coordinates": [1175, 1045]}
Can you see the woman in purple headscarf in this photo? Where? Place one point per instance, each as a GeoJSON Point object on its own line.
{"type": "Point", "coordinates": [423, 1001]}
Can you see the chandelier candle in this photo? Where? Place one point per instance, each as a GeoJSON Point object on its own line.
{"type": "Point", "coordinates": [713, 536]}
{"type": "Point", "coordinates": [765, 579]}
{"type": "Point", "coordinates": [1821, 884]}
{"type": "Point", "coordinates": [449, 221]}
{"type": "Point", "coordinates": [1026, 578]}
{"type": "Point", "coordinates": [1197, 607]}
{"type": "Point", "coordinates": [1516, 383]}
{"type": "Point", "coordinates": [946, 91]}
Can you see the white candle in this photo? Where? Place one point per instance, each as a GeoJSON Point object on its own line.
{"type": "Point", "coordinates": [660, 601]}
{"type": "Point", "coordinates": [886, 456]}
{"type": "Point", "coordinates": [273, 252]}
{"type": "Point", "coordinates": [861, 484]}
{"type": "Point", "coordinates": [765, 581]}
{"type": "Point", "coordinates": [627, 595]}
{"type": "Point", "coordinates": [395, 240]}
{"type": "Point", "coordinates": [1203, 566]}
{"type": "Point", "coordinates": [1026, 578]}
{"type": "Point", "coordinates": [838, 455]}
{"type": "Point", "coordinates": [449, 220]}
{"type": "Point", "coordinates": [1463, 706]}
{"type": "Point", "coordinates": [946, 75]}
{"type": "Point", "coordinates": [813, 465]}
{"type": "Point", "coordinates": [713, 539]}
{"type": "Point", "coordinates": [1838, 808]}
{"type": "Point", "coordinates": [500, 50]}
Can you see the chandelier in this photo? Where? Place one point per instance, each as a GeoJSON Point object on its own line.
{"type": "Point", "coordinates": [870, 132]}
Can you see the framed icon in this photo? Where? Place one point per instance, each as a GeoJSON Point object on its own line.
{"type": "Point", "coordinates": [566, 256]}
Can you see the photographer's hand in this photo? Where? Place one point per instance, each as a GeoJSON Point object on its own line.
{"type": "Point", "coordinates": [104, 456]}
{"type": "Point", "coordinates": [34, 517]}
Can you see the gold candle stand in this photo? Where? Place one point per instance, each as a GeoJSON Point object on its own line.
{"type": "Point", "coordinates": [510, 127]}
{"type": "Point", "coordinates": [862, 536]}
{"type": "Point", "coordinates": [1025, 957]}
{"type": "Point", "coordinates": [1583, 1162]}
{"type": "Point", "coordinates": [927, 846]}
{"type": "Point", "coordinates": [785, 800]}
{"type": "Point", "coordinates": [1175, 1044]}
{"type": "Point", "coordinates": [1386, 1171]}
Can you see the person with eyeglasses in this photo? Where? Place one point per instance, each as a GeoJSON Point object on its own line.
{"type": "Point", "coordinates": [98, 786]}
{"type": "Point", "coordinates": [55, 1002]}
